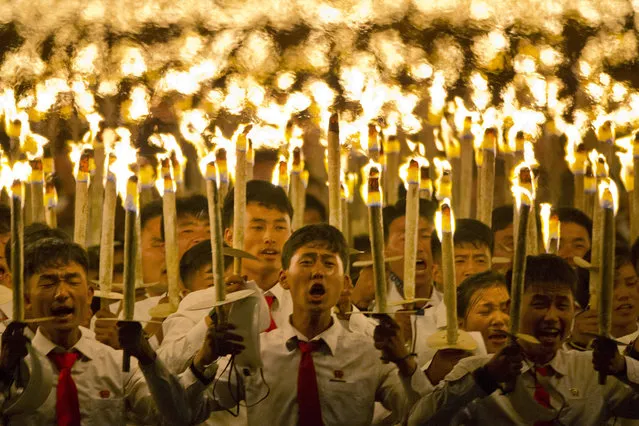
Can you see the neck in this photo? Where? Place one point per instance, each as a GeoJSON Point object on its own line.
{"type": "Point", "coordinates": [541, 357]}
{"type": "Point", "coordinates": [311, 324]}
{"type": "Point", "coordinates": [265, 280]}
{"type": "Point", "coordinates": [424, 292]}
{"type": "Point", "coordinates": [620, 330]}
{"type": "Point", "coordinates": [65, 339]}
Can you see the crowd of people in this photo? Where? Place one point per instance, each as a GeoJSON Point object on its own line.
{"type": "Point", "coordinates": [325, 359]}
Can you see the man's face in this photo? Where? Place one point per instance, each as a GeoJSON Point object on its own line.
{"type": "Point", "coordinates": [61, 292]}
{"type": "Point", "coordinates": [470, 259]}
{"type": "Point", "coordinates": [315, 278]}
{"type": "Point", "coordinates": [573, 241]}
{"type": "Point", "coordinates": [190, 231]}
{"type": "Point", "coordinates": [625, 308]}
{"type": "Point", "coordinates": [265, 232]}
{"type": "Point", "coordinates": [488, 313]}
{"type": "Point", "coordinates": [547, 313]}
{"type": "Point", "coordinates": [504, 247]}
{"type": "Point", "coordinates": [5, 274]}
{"type": "Point", "coordinates": [395, 247]}
{"type": "Point", "coordinates": [312, 217]}
{"type": "Point", "coordinates": [152, 245]}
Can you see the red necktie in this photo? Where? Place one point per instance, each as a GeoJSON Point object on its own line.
{"type": "Point", "coordinates": [310, 413]}
{"type": "Point", "coordinates": [269, 300]}
{"type": "Point", "coordinates": [67, 407]}
{"type": "Point", "coordinates": [541, 395]}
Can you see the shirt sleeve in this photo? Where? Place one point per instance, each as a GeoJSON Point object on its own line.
{"type": "Point", "coordinates": [622, 396]}
{"type": "Point", "coordinates": [158, 397]}
{"type": "Point", "coordinates": [182, 339]}
{"type": "Point", "coordinates": [398, 393]}
{"type": "Point", "coordinates": [450, 396]}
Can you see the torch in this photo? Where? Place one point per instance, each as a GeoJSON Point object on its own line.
{"type": "Point", "coordinates": [250, 161]}
{"type": "Point", "coordinates": [486, 169]}
{"type": "Point", "coordinates": [549, 228]}
{"type": "Point", "coordinates": [590, 189]}
{"type": "Point", "coordinates": [215, 222]}
{"type": "Point", "coordinates": [130, 261]}
{"type": "Point", "coordinates": [107, 232]}
{"type": "Point", "coordinates": [412, 180]}
{"type": "Point", "coordinates": [223, 172]}
{"type": "Point", "coordinates": [579, 176]}
{"type": "Point", "coordinates": [376, 228]}
{"type": "Point", "coordinates": [20, 171]}
{"type": "Point", "coordinates": [451, 337]}
{"type": "Point", "coordinates": [298, 192]}
{"type": "Point", "coordinates": [391, 154]}
{"type": "Point", "coordinates": [606, 135]}
{"type": "Point", "coordinates": [334, 168]}
{"type": "Point", "coordinates": [634, 219]}
{"type": "Point", "coordinates": [50, 192]}
{"type": "Point", "coordinates": [170, 230]}
{"type": "Point", "coordinates": [82, 197]}
{"type": "Point", "coordinates": [524, 197]}
{"type": "Point", "coordinates": [51, 203]}
{"type": "Point", "coordinates": [239, 198]}
{"type": "Point", "coordinates": [466, 165]}
{"type": "Point", "coordinates": [36, 184]}
{"type": "Point", "coordinates": [425, 183]}
{"type": "Point", "coordinates": [607, 265]}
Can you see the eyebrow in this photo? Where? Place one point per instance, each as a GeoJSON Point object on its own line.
{"type": "Point", "coordinates": [58, 276]}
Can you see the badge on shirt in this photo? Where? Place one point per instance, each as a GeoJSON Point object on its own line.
{"type": "Point", "coordinates": [104, 394]}
{"type": "Point", "coordinates": [338, 376]}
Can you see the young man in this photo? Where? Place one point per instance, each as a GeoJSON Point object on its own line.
{"type": "Point", "coordinates": [546, 383]}
{"type": "Point", "coordinates": [502, 227]}
{"type": "Point", "coordinates": [314, 211]}
{"type": "Point", "coordinates": [268, 225]}
{"type": "Point", "coordinates": [316, 372]}
{"type": "Point", "coordinates": [91, 387]}
{"type": "Point", "coordinates": [625, 308]}
{"type": "Point", "coordinates": [575, 232]}
{"type": "Point", "coordinates": [394, 234]}
{"type": "Point", "coordinates": [473, 250]}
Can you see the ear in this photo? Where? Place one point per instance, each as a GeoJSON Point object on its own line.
{"type": "Point", "coordinates": [228, 236]}
{"type": "Point", "coordinates": [90, 293]}
{"type": "Point", "coordinates": [284, 279]}
{"type": "Point", "coordinates": [348, 282]}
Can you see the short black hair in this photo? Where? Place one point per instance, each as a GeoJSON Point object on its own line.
{"type": "Point", "coordinates": [312, 203]}
{"type": "Point", "coordinates": [35, 232]}
{"type": "Point", "coordinates": [197, 256]}
{"type": "Point", "coordinates": [51, 253]}
{"type": "Point", "coordinates": [467, 231]}
{"type": "Point", "coordinates": [93, 254]}
{"type": "Point", "coordinates": [391, 213]}
{"type": "Point", "coordinates": [150, 211]}
{"type": "Point", "coordinates": [5, 219]}
{"type": "Point", "coordinates": [195, 205]}
{"type": "Point", "coordinates": [502, 217]}
{"type": "Point", "coordinates": [573, 215]}
{"type": "Point", "coordinates": [321, 233]}
{"type": "Point", "coordinates": [261, 192]}
{"type": "Point", "coordinates": [549, 269]}
{"type": "Point", "coordinates": [474, 283]}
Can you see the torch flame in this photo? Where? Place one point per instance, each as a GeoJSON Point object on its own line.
{"type": "Point", "coordinates": [444, 218]}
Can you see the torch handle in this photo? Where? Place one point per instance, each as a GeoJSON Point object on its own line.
{"type": "Point", "coordinates": [519, 269]}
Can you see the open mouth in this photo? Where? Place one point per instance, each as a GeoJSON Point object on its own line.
{"type": "Point", "coordinates": [497, 336]}
{"type": "Point", "coordinates": [420, 265]}
{"type": "Point", "coordinates": [269, 252]}
{"type": "Point", "coordinates": [62, 312]}
{"type": "Point", "coordinates": [317, 290]}
{"type": "Point", "coordinates": [548, 335]}
{"type": "Point", "coordinates": [625, 307]}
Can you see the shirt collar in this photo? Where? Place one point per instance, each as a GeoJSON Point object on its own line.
{"type": "Point", "coordinates": [330, 336]}
{"type": "Point", "coordinates": [629, 338]}
{"type": "Point", "coordinates": [43, 345]}
{"type": "Point", "coordinates": [276, 291]}
{"type": "Point", "coordinates": [559, 364]}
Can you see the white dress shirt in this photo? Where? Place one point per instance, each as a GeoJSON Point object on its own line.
{"type": "Point", "coordinates": [576, 396]}
{"type": "Point", "coordinates": [350, 378]}
{"type": "Point", "coordinates": [106, 395]}
{"type": "Point", "coordinates": [185, 331]}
